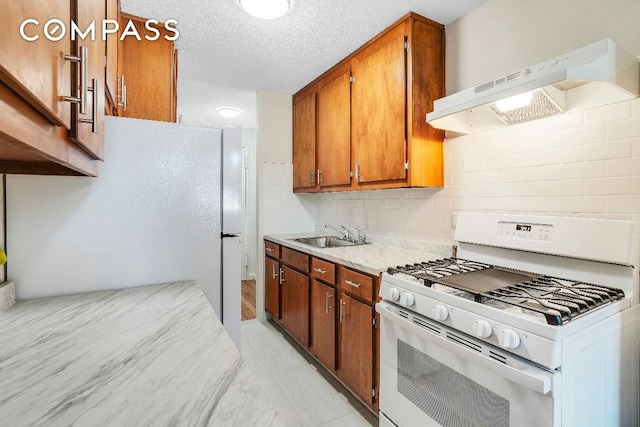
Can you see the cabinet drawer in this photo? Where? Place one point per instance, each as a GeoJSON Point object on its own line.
{"type": "Point", "coordinates": [323, 270]}
{"type": "Point", "coordinates": [295, 259]}
{"type": "Point", "coordinates": [271, 249]}
{"type": "Point", "coordinates": [357, 284]}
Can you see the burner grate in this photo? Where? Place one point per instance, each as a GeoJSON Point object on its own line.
{"type": "Point", "coordinates": [558, 300]}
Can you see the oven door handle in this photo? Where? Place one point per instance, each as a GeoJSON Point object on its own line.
{"type": "Point", "coordinates": [531, 377]}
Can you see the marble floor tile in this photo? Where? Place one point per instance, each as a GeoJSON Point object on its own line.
{"type": "Point", "coordinates": [301, 395]}
{"type": "Point", "coordinates": [272, 355]}
{"type": "Point", "coordinates": [315, 400]}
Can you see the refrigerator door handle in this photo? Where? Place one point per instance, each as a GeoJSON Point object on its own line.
{"type": "Point", "coordinates": [223, 235]}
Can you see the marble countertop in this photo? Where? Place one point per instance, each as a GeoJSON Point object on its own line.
{"type": "Point", "coordinates": [373, 258]}
{"type": "Point", "coordinates": [147, 356]}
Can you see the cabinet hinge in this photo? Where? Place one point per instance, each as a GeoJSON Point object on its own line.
{"type": "Point", "coordinates": [406, 166]}
{"type": "Point", "coordinates": [350, 79]}
{"type": "Point", "coordinates": [350, 174]}
{"type": "Point", "coordinates": [373, 393]}
{"type": "Point", "coordinates": [406, 44]}
{"type": "Point", "coordinates": [373, 322]}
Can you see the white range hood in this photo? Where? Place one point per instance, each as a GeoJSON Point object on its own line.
{"type": "Point", "coordinates": [597, 74]}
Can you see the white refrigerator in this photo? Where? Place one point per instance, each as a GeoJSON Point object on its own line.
{"type": "Point", "coordinates": [166, 207]}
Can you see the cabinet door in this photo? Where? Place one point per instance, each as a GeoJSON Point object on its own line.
{"type": "Point", "coordinates": [111, 70]}
{"type": "Point", "coordinates": [355, 365]}
{"type": "Point", "coordinates": [36, 70]}
{"type": "Point", "coordinates": [149, 70]}
{"type": "Point", "coordinates": [323, 323]}
{"type": "Point", "coordinates": [87, 128]}
{"type": "Point", "coordinates": [295, 305]}
{"type": "Point", "coordinates": [304, 142]}
{"type": "Point", "coordinates": [334, 132]}
{"type": "Point", "coordinates": [272, 287]}
{"type": "Point", "coordinates": [379, 109]}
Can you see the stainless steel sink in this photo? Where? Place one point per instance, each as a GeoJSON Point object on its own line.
{"type": "Point", "coordinates": [327, 242]}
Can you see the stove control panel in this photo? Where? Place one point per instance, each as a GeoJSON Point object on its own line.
{"type": "Point", "coordinates": [524, 231]}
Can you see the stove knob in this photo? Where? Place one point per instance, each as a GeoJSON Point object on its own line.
{"type": "Point", "coordinates": [393, 294]}
{"type": "Point", "coordinates": [508, 338]}
{"type": "Point", "coordinates": [482, 329]}
{"type": "Point", "coordinates": [440, 312]}
{"type": "Point", "coordinates": [406, 299]}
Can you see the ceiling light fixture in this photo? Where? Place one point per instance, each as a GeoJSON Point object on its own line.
{"type": "Point", "coordinates": [229, 112]}
{"type": "Point", "coordinates": [266, 9]}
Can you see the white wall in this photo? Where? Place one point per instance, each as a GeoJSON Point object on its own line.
{"type": "Point", "coordinates": [279, 210]}
{"type": "Point", "coordinates": [503, 36]}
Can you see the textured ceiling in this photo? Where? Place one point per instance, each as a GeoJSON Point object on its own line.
{"type": "Point", "coordinates": [221, 45]}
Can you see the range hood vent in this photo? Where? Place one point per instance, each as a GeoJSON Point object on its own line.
{"type": "Point", "coordinates": [595, 75]}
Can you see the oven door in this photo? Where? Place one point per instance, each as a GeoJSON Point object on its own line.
{"type": "Point", "coordinates": [433, 375]}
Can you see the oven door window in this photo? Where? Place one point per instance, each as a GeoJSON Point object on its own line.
{"type": "Point", "coordinates": [449, 398]}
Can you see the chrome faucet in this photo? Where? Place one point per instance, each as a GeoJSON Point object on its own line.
{"type": "Point", "coordinates": [344, 231]}
{"type": "Point", "coordinates": [362, 238]}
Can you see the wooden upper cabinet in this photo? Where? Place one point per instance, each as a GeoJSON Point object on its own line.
{"type": "Point", "coordinates": [334, 131]}
{"type": "Point", "coordinates": [111, 83]}
{"type": "Point", "coordinates": [148, 73]}
{"type": "Point", "coordinates": [396, 77]}
{"type": "Point", "coordinates": [304, 142]}
{"type": "Point", "coordinates": [37, 70]}
{"type": "Point", "coordinates": [41, 130]}
{"type": "Point", "coordinates": [379, 109]}
{"type": "Point", "coordinates": [87, 128]}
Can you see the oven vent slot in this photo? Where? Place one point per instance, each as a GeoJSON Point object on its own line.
{"type": "Point", "coordinates": [498, 357]}
{"type": "Point", "coordinates": [426, 325]}
{"type": "Point", "coordinates": [464, 342]}
{"type": "Point", "coordinates": [403, 313]}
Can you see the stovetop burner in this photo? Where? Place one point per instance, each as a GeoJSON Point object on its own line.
{"type": "Point", "coordinates": [558, 300]}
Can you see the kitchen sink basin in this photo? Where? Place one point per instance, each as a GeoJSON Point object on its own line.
{"type": "Point", "coordinates": [327, 242]}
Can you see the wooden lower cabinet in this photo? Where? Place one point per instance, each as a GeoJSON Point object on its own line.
{"type": "Point", "coordinates": [329, 309]}
{"type": "Point", "coordinates": [356, 348]}
{"type": "Point", "coordinates": [272, 287]}
{"type": "Point", "coordinates": [294, 309]}
{"type": "Point", "coordinates": [323, 324]}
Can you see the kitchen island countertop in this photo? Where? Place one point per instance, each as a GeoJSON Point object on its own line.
{"type": "Point", "coordinates": [373, 258]}
{"type": "Point", "coordinates": [147, 356]}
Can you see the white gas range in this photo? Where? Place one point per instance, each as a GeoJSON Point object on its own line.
{"type": "Point", "coordinates": [535, 322]}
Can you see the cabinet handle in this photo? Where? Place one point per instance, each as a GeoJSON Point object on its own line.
{"type": "Point", "coordinates": [327, 305]}
{"type": "Point", "coordinates": [357, 171]}
{"type": "Point", "coordinates": [311, 177]}
{"type": "Point", "coordinates": [82, 99]}
{"type": "Point", "coordinates": [350, 283]}
{"type": "Point", "coordinates": [342, 304]}
{"type": "Point", "coordinates": [281, 276]}
{"type": "Point", "coordinates": [319, 176]}
{"type": "Point", "coordinates": [273, 272]}
{"type": "Point", "coordinates": [94, 108]}
{"type": "Point", "coordinates": [123, 93]}
{"type": "Point", "coordinates": [318, 270]}
{"type": "Point", "coordinates": [268, 249]}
